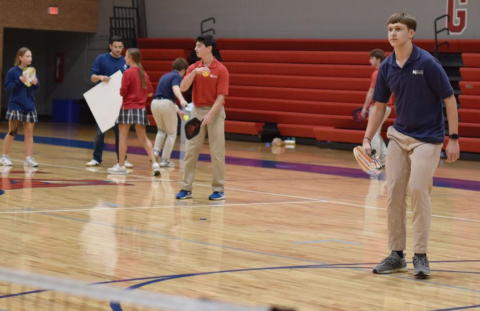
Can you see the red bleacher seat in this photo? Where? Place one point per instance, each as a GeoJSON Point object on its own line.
{"type": "Point", "coordinates": [296, 57]}
{"type": "Point", "coordinates": [470, 74]}
{"type": "Point", "coordinates": [298, 118]}
{"type": "Point", "coordinates": [469, 115]}
{"type": "Point", "coordinates": [157, 65]}
{"type": "Point", "coordinates": [296, 130]}
{"type": "Point", "coordinates": [326, 83]}
{"type": "Point", "coordinates": [470, 88]}
{"type": "Point", "coordinates": [241, 127]}
{"type": "Point", "coordinates": [339, 135]}
{"type": "Point", "coordinates": [314, 70]}
{"type": "Point", "coordinates": [471, 59]}
{"type": "Point", "coordinates": [162, 54]}
{"type": "Point", "coordinates": [469, 101]}
{"type": "Point", "coordinates": [469, 129]}
{"type": "Point", "coordinates": [298, 94]}
{"type": "Point", "coordinates": [268, 104]}
{"type": "Point", "coordinates": [156, 75]}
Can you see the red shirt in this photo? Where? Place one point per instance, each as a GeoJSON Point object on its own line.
{"type": "Point", "coordinates": [206, 89]}
{"type": "Point", "coordinates": [391, 100]}
{"type": "Point", "coordinates": [134, 96]}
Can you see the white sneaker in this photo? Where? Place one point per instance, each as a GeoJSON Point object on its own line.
{"type": "Point", "coordinates": [30, 162]}
{"type": "Point", "coordinates": [92, 163]}
{"type": "Point", "coordinates": [156, 169]}
{"type": "Point", "coordinates": [166, 163]}
{"type": "Point", "coordinates": [5, 160]}
{"type": "Point", "coordinates": [29, 171]}
{"type": "Point", "coordinates": [128, 164]}
{"type": "Point", "coordinates": [5, 170]}
{"type": "Point", "coordinates": [117, 170]}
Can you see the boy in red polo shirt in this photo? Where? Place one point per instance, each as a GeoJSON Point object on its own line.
{"type": "Point", "coordinates": [210, 81]}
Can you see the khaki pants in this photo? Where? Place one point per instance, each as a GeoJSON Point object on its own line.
{"type": "Point", "coordinates": [165, 116]}
{"type": "Point", "coordinates": [216, 139]}
{"type": "Point", "coordinates": [410, 163]}
{"type": "Point", "coordinates": [377, 141]}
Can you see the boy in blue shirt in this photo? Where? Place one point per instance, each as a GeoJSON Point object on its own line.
{"type": "Point", "coordinates": [165, 110]}
{"type": "Point", "coordinates": [419, 84]}
{"type": "Point", "coordinates": [106, 65]}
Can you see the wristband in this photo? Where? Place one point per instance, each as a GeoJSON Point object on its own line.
{"type": "Point", "coordinates": [368, 139]}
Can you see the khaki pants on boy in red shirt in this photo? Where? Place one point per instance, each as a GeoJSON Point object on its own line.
{"type": "Point", "coordinates": [216, 140]}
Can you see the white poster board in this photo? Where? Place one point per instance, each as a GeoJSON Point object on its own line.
{"type": "Point", "coordinates": [105, 101]}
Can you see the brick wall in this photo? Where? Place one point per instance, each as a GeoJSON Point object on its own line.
{"type": "Point", "coordinates": [74, 15]}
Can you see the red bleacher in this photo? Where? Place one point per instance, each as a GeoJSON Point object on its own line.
{"type": "Point", "coordinates": [469, 112]}
{"type": "Point", "coordinates": [309, 87]}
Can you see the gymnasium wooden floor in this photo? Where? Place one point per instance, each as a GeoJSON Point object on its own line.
{"type": "Point", "coordinates": [300, 227]}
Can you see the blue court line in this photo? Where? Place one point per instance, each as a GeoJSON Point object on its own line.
{"type": "Point", "coordinates": [289, 166]}
{"type": "Point", "coordinates": [157, 279]}
{"type": "Point", "coordinates": [459, 308]}
{"type": "Point", "coordinates": [248, 251]}
{"type": "Point", "coordinates": [108, 204]}
{"type": "Point", "coordinates": [324, 241]}
{"type": "Point", "coordinates": [117, 307]}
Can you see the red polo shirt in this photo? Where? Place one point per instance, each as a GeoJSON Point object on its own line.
{"type": "Point", "coordinates": [206, 89]}
{"type": "Point", "coordinates": [134, 96]}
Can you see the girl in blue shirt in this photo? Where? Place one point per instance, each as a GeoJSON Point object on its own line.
{"type": "Point", "coordinates": [21, 107]}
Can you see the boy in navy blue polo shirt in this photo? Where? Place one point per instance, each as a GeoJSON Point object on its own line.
{"type": "Point", "coordinates": [165, 110]}
{"type": "Point", "coordinates": [419, 84]}
{"type": "Point", "coordinates": [106, 65]}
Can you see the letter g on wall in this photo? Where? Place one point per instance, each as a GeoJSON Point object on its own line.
{"type": "Point", "coordinates": [457, 11]}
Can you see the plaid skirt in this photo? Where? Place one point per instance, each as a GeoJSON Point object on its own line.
{"type": "Point", "coordinates": [133, 116]}
{"type": "Point", "coordinates": [29, 117]}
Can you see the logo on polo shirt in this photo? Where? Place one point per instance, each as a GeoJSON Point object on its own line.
{"type": "Point", "coordinates": [213, 76]}
{"type": "Point", "coordinates": [418, 72]}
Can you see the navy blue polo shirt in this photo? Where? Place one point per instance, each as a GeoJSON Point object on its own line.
{"type": "Point", "coordinates": [166, 83]}
{"type": "Point", "coordinates": [107, 65]}
{"type": "Point", "coordinates": [419, 88]}
{"type": "Point", "coordinates": [22, 97]}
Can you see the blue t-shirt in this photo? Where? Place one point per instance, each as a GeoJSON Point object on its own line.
{"type": "Point", "coordinates": [22, 97]}
{"type": "Point", "coordinates": [166, 83]}
{"type": "Point", "coordinates": [107, 65]}
{"type": "Point", "coordinates": [419, 88]}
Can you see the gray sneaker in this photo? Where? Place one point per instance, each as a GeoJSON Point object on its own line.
{"type": "Point", "coordinates": [422, 268]}
{"type": "Point", "coordinates": [391, 264]}
{"type": "Point", "coordinates": [166, 163]}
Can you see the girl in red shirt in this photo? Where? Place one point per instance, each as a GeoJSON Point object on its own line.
{"type": "Point", "coordinates": [135, 89]}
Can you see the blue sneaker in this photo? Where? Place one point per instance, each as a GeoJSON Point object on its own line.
{"type": "Point", "coordinates": [217, 195]}
{"type": "Point", "coordinates": [183, 194]}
